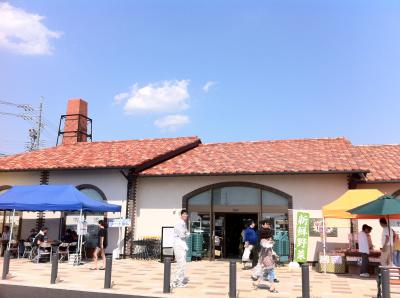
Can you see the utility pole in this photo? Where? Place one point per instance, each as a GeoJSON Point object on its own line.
{"type": "Point", "coordinates": [39, 124]}
{"type": "Point", "coordinates": [28, 114]}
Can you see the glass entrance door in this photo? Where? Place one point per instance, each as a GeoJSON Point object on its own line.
{"type": "Point", "coordinates": [219, 236]}
{"type": "Point", "coordinates": [228, 228]}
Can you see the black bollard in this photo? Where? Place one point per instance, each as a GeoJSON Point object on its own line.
{"type": "Point", "coordinates": [305, 281]}
{"type": "Point", "coordinates": [107, 274]}
{"type": "Point", "coordinates": [54, 268]}
{"type": "Point", "coordinates": [385, 283]}
{"type": "Point", "coordinates": [6, 264]}
{"type": "Point", "coordinates": [167, 275]}
{"type": "Point", "coordinates": [232, 279]}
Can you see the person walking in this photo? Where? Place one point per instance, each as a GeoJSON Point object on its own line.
{"type": "Point", "coordinates": [396, 247]}
{"type": "Point", "coordinates": [181, 234]}
{"type": "Point", "coordinates": [387, 242]}
{"type": "Point", "coordinates": [265, 232]}
{"type": "Point", "coordinates": [364, 249]}
{"type": "Point", "coordinates": [250, 240]}
{"type": "Point", "coordinates": [101, 245]}
{"type": "Point", "coordinates": [268, 260]}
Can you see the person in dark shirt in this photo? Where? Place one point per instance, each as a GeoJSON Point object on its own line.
{"type": "Point", "coordinates": [32, 235]}
{"type": "Point", "coordinates": [74, 236]}
{"type": "Point", "coordinates": [68, 236]}
{"type": "Point", "coordinates": [101, 245]}
{"type": "Point", "coordinates": [39, 239]}
{"type": "Point", "coordinates": [250, 240]}
{"type": "Point", "coordinates": [265, 232]}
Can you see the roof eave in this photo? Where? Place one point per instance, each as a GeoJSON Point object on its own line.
{"type": "Point", "coordinates": [257, 173]}
{"type": "Point", "coordinates": [380, 181]}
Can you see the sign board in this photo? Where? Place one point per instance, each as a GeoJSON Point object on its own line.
{"type": "Point", "coordinates": [167, 237]}
{"type": "Point", "coordinates": [302, 229]}
{"type": "Point", "coordinates": [119, 222]}
{"type": "Point", "coordinates": [72, 219]}
{"type": "Point", "coordinates": [82, 228]}
{"type": "Point", "coordinates": [167, 242]}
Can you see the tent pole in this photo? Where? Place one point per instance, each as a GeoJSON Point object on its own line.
{"type": "Point", "coordinates": [11, 230]}
{"type": "Point", "coordinates": [390, 242]}
{"type": "Point", "coordinates": [79, 238]}
{"type": "Point", "coordinates": [119, 237]}
{"type": "Point", "coordinates": [324, 241]}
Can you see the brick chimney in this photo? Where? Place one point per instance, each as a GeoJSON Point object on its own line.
{"type": "Point", "coordinates": [75, 126]}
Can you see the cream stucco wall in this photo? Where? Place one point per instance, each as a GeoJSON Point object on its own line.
{"type": "Point", "coordinates": [159, 199]}
{"type": "Point", "coordinates": [111, 182]}
{"type": "Point", "coordinates": [19, 178]}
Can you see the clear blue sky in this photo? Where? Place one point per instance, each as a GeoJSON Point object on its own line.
{"type": "Point", "coordinates": [280, 69]}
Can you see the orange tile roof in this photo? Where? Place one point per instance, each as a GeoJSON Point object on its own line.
{"type": "Point", "coordinates": [115, 154]}
{"type": "Point", "coordinates": [282, 156]}
{"type": "Point", "coordinates": [383, 161]}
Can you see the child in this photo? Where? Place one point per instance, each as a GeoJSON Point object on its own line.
{"type": "Point", "coordinates": [266, 265]}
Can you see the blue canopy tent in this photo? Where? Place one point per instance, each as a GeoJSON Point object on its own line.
{"type": "Point", "coordinates": [51, 198]}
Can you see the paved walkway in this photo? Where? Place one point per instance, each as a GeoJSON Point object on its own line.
{"type": "Point", "coordinates": [207, 279]}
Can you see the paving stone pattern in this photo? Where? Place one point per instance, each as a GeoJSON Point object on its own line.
{"type": "Point", "coordinates": [207, 279]}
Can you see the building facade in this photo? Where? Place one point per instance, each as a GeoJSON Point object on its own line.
{"type": "Point", "coordinates": [222, 185]}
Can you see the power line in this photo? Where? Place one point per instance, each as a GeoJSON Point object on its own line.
{"type": "Point", "coordinates": [23, 116]}
{"type": "Point", "coordinates": [29, 114]}
{"type": "Point", "coordinates": [25, 107]}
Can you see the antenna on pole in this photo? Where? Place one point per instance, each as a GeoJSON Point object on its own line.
{"type": "Point", "coordinates": [39, 124]}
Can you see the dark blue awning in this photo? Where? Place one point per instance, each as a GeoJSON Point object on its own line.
{"type": "Point", "coordinates": [51, 198]}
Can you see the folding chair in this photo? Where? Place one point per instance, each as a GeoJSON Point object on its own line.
{"type": "Point", "coordinates": [14, 247]}
{"type": "Point", "coordinates": [27, 250]}
{"type": "Point", "coordinates": [42, 251]}
{"type": "Point", "coordinates": [62, 250]}
{"type": "Point", "coordinates": [72, 248]}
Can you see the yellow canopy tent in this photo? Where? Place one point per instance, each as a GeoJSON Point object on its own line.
{"type": "Point", "coordinates": [349, 200]}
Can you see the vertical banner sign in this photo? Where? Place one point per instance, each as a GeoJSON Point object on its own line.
{"type": "Point", "coordinates": [302, 226]}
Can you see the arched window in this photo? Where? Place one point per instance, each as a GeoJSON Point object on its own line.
{"type": "Point", "coordinates": [92, 219]}
{"type": "Point", "coordinates": [218, 212]}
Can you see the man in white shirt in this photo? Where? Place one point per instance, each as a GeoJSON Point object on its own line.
{"type": "Point", "coordinates": [387, 242]}
{"type": "Point", "coordinates": [363, 248]}
{"type": "Point", "coordinates": [181, 233]}
{"type": "Point", "coordinates": [6, 234]}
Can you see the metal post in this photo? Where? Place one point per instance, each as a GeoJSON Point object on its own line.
{"type": "Point", "coordinates": [11, 230]}
{"type": "Point", "coordinates": [54, 268]}
{"type": "Point", "coordinates": [79, 247]}
{"type": "Point", "coordinates": [6, 264]}
{"type": "Point", "coordinates": [232, 279]}
{"type": "Point", "coordinates": [385, 283]}
{"type": "Point", "coordinates": [167, 275]}
{"type": "Point", "coordinates": [107, 274]}
{"type": "Point", "coordinates": [305, 281]}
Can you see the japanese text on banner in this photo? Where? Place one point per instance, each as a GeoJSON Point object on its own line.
{"type": "Point", "coordinates": [301, 246]}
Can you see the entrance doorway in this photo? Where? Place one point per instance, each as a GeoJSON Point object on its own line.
{"type": "Point", "coordinates": [228, 230]}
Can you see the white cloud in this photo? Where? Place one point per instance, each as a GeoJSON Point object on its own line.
{"type": "Point", "coordinates": [120, 97]}
{"type": "Point", "coordinates": [172, 122]}
{"type": "Point", "coordinates": [165, 97]}
{"type": "Point", "coordinates": [23, 33]}
{"type": "Point", "coordinates": [208, 85]}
